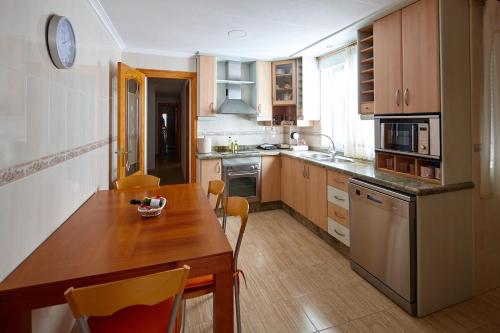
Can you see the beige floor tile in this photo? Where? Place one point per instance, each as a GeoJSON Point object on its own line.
{"type": "Point", "coordinates": [298, 283]}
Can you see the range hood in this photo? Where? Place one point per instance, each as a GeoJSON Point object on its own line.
{"type": "Point", "coordinates": [233, 103]}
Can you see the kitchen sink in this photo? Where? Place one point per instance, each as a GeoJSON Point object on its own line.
{"type": "Point", "coordinates": [323, 157]}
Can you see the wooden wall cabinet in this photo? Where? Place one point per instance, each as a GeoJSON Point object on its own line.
{"type": "Point", "coordinates": [271, 179]}
{"type": "Point", "coordinates": [406, 60]}
{"type": "Point", "coordinates": [365, 70]}
{"type": "Point", "coordinates": [284, 82]}
{"type": "Point", "coordinates": [207, 170]}
{"type": "Point", "coordinates": [262, 92]}
{"type": "Point", "coordinates": [207, 75]}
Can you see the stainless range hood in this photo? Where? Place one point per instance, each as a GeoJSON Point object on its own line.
{"type": "Point", "coordinates": [233, 103]}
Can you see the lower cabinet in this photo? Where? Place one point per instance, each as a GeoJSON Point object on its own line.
{"type": "Point", "coordinates": [270, 179]}
{"type": "Point", "coordinates": [207, 170]}
{"type": "Point", "coordinates": [338, 206]}
{"type": "Point", "coordinates": [303, 188]}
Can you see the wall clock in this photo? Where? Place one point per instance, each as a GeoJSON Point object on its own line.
{"type": "Point", "coordinates": [61, 42]}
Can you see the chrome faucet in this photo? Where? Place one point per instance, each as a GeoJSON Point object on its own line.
{"type": "Point", "coordinates": [332, 151]}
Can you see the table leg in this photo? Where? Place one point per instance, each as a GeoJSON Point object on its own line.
{"type": "Point", "coordinates": [15, 321]}
{"type": "Point", "coordinates": [223, 302]}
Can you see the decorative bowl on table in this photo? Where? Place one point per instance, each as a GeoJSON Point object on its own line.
{"type": "Point", "coordinates": [148, 211]}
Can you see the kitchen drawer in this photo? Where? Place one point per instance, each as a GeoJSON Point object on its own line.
{"type": "Point", "coordinates": [338, 231]}
{"type": "Point", "coordinates": [367, 108]}
{"type": "Point", "coordinates": [338, 214]}
{"type": "Point", "coordinates": [338, 197]}
{"type": "Point", "coordinates": [338, 180]}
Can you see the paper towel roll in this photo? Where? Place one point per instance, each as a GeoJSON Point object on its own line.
{"type": "Point", "coordinates": [204, 145]}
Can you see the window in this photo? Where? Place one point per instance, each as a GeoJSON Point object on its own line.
{"type": "Point", "coordinates": [339, 106]}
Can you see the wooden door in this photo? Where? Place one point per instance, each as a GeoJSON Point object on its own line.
{"type": "Point", "coordinates": [209, 170]}
{"type": "Point", "coordinates": [421, 78]}
{"type": "Point", "coordinates": [286, 180]}
{"type": "Point", "coordinates": [130, 153]}
{"type": "Point", "coordinates": [388, 64]}
{"type": "Point", "coordinates": [316, 198]}
{"type": "Point", "coordinates": [264, 104]}
{"type": "Point", "coordinates": [299, 186]}
{"type": "Point", "coordinates": [206, 85]}
{"type": "Point", "coordinates": [271, 179]}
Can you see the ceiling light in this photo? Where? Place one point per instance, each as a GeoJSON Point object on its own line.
{"type": "Point", "coordinates": [237, 33]}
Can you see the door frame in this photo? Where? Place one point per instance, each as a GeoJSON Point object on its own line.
{"type": "Point", "coordinates": [192, 78]}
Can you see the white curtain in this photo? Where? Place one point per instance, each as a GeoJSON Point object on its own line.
{"type": "Point", "coordinates": [339, 108]}
{"type": "Point", "coordinates": [490, 113]}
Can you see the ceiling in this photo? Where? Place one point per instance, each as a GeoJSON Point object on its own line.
{"type": "Point", "coordinates": [275, 28]}
{"type": "Point", "coordinates": [167, 87]}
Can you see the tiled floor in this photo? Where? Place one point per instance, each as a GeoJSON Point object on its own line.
{"type": "Point", "coordinates": [298, 283]}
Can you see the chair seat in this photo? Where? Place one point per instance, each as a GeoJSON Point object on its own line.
{"type": "Point", "coordinates": [200, 281]}
{"type": "Point", "coordinates": [136, 319]}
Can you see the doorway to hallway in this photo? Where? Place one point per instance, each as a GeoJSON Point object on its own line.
{"type": "Point", "coordinates": [168, 130]}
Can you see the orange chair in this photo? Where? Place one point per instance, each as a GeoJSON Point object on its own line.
{"type": "Point", "coordinates": [203, 285]}
{"type": "Point", "coordinates": [137, 182]}
{"type": "Point", "coordinates": [216, 187]}
{"type": "Point", "coordinates": [147, 304]}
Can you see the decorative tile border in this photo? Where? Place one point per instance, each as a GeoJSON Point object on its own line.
{"type": "Point", "coordinates": [16, 172]}
{"type": "Point", "coordinates": [226, 133]}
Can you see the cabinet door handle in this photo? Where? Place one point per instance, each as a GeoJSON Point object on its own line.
{"type": "Point", "coordinates": [303, 171]}
{"type": "Point", "coordinates": [211, 107]}
{"type": "Point", "coordinates": [407, 96]}
{"type": "Point", "coordinates": [398, 97]}
{"type": "Point", "coordinates": [339, 181]}
{"type": "Point", "coordinates": [338, 198]}
{"type": "Point", "coordinates": [339, 233]}
{"type": "Point", "coordinates": [258, 109]}
{"type": "Point", "coordinates": [217, 167]}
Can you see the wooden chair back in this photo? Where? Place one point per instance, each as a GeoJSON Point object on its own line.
{"type": "Point", "coordinates": [216, 187]}
{"type": "Point", "coordinates": [137, 181]}
{"type": "Point", "coordinates": [107, 298]}
{"type": "Point", "coordinates": [237, 206]}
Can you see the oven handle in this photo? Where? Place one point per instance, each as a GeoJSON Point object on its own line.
{"type": "Point", "coordinates": [250, 173]}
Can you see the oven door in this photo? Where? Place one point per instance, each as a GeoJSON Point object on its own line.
{"type": "Point", "coordinates": [400, 136]}
{"type": "Point", "coordinates": [244, 184]}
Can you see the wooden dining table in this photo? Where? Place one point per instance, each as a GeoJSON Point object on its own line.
{"type": "Point", "coordinates": [107, 240]}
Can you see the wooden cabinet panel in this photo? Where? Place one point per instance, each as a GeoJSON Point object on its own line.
{"type": "Point", "coordinates": [388, 64]}
{"type": "Point", "coordinates": [420, 35]}
{"type": "Point", "coordinates": [206, 67]}
{"type": "Point", "coordinates": [271, 179]}
{"type": "Point", "coordinates": [316, 201]}
{"type": "Point", "coordinates": [286, 180]}
{"type": "Point", "coordinates": [338, 180]}
{"type": "Point", "coordinates": [299, 186]}
{"type": "Point", "coordinates": [264, 103]}
{"type": "Point", "coordinates": [208, 170]}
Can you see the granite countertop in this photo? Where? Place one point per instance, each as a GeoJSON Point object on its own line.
{"type": "Point", "coordinates": [362, 170]}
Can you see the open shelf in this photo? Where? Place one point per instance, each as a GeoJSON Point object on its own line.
{"type": "Point", "coordinates": [409, 166]}
{"type": "Point", "coordinates": [368, 39]}
{"type": "Point", "coordinates": [366, 71]}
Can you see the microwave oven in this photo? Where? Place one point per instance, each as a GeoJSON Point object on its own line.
{"type": "Point", "coordinates": [409, 135]}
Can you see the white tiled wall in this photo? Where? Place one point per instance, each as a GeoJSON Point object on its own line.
{"type": "Point", "coordinates": [44, 111]}
{"type": "Point", "coordinates": [241, 128]}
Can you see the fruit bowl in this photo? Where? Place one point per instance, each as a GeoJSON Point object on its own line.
{"type": "Point", "coordinates": [147, 211]}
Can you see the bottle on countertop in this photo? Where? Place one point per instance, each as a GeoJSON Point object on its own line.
{"type": "Point", "coordinates": [151, 202]}
{"type": "Point", "coordinates": [230, 145]}
{"type": "Point", "coordinates": [236, 146]}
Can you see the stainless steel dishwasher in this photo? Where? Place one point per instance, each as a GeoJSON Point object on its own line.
{"type": "Point", "coordinates": [382, 237]}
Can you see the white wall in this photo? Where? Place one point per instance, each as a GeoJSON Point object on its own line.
{"type": "Point", "coordinates": [48, 111]}
{"type": "Point", "coordinates": [152, 61]}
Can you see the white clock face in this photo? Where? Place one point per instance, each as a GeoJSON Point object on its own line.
{"type": "Point", "coordinates": [65, 40]}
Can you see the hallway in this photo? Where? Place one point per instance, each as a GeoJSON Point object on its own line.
{"type": "Point", "coordinates": [168, 168]}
